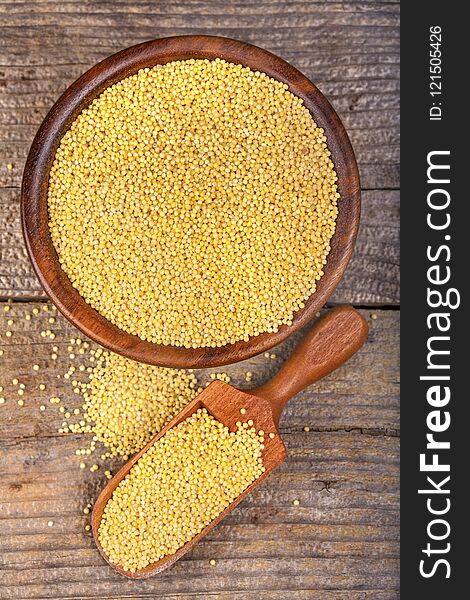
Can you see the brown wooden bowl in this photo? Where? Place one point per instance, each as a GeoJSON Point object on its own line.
{"type": "Point", "coordinates": [79, 95]}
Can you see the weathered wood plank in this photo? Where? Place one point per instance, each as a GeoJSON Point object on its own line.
{"type": "Point", "coordinates": [372, 276]}
{"type": "Point", "coordinates": [265, 546]}
{"type": "Point", "coordinates": [340, 543]}
{"type": "Point", "coordinates": [362, 396]}
{"type": "Point", "coordinates": [370, 594]}
{"type": "Point", "coordinates": [245, 595]}
{"type": "Point", "coordinates": [345, 516]}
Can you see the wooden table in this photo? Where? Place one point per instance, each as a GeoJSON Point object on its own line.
{"type": "Point", "coordinates": [342, 541]}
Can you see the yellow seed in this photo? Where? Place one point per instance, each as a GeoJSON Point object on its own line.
{"type": "Point", "coordinates": [86, 510]}
{"type": "Point", "coordinates": [6, 308]}
{"type": "Point", "coordinates": [28, 317]}
{"type": "Point", "coordinates": [82, 465]}
{"type": "Point", "coordinates": [14, 381]}
{"type": "Point", "coordinates": [373, 316]}
{"type": "Point", "coordinates": [35, 367]}
{"type": "Point", "coordinates": [8, 333]}
{"type": "Point", "coordinates": [42, 387]}
{"type": "Point", "coordinates": [127, 403]}
{"type": "Point", "coordinates": [273, 356]}
{"type": "Point", "coordinates": [225, 146]}
{"type": "Point", "coordinates": [51, 320]}
{"type": "Point", "coordinates": [2, 400]}
{"type": "Point", "coordinates": [272, 435]}
{"type": "Point", "coordinates": [20, 402]}
{"type": "Point", "coordinates": [306, 428]}
{"type": "Point", "coordinates": [50, 523]}
{"type": "Point", "coordinates": [54, 356]}
{"type": "Point", "coordinates": [212, 562]}
{"type": "Point", "coordinates": [10, 321]}
{"type": "Point", "coordinates": [87, 527]}
{"type": "Point", "coordinates": [20, 392]}
{"type": "Point", "coordinates": [243, 411]}
{"type": "Point", "coordinates": [296, 502]}
{"type": "Point", "coordinates": [42, 408]}
{"type": "Point", "coordinates": [200, 455]}
{"type": "Point", "coordinates": [250, 423]}
{"type": "Point", "coordinates": [35, 311]}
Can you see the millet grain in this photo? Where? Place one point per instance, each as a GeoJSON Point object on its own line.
{"type": "Point", "coordinates": [193, 204]}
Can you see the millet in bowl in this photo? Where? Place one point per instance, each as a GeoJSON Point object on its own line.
{"type": "Point", "coordinates": [193, 204]}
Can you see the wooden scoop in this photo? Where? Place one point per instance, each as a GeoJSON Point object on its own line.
{"type": "Point", "coordinates": [331, 341]}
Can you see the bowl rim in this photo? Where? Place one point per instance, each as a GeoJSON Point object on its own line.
{"type": "Point", "coordinates": [80, 94]}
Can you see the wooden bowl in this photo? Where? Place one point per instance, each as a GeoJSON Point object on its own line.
{"type": "Point", "coordinates": [79, 95]}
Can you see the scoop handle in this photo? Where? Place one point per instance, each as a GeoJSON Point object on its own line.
{"type": "Point", "coordinates": [331, 341]}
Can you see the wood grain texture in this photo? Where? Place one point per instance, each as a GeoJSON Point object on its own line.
{"type": "Point", "coordinates": [360, 397]}
{"type": "Point", "coordinates": [350, 50]}
{"type": "Point", "coordinates": [341, 543]}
